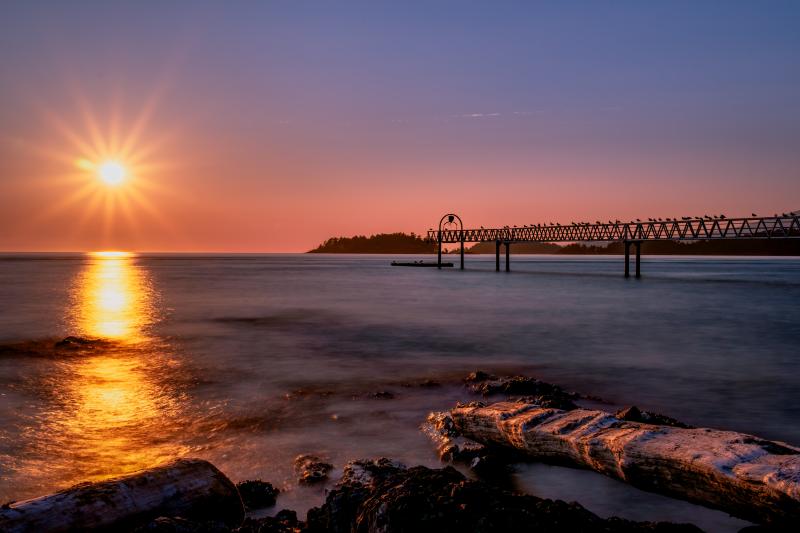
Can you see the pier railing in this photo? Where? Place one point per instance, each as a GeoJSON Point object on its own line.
{"type": "Point", "coordinates": [785, 226]}
{"type": "Point", "coordinates": [781, 227]}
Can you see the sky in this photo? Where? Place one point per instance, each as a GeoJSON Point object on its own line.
{"type": "Point", "coordinates": [271, 126]}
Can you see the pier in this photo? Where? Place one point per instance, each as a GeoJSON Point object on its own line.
{"type": "Point", "coordinates": [633, 233]}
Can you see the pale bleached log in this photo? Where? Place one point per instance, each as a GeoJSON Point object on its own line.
{"type": "Point", "coordinates": [190, 488]}
{"type": "Point", "coordinates": [748, 477]}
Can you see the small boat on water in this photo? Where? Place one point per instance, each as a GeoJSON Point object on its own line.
{"type": "Point", "coordinates": [418, 264]}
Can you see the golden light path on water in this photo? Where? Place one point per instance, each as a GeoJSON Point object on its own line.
{"type": "Point", "coordinates": [113, 410]}
{"type": "Point", "coordinates": [113, 299]}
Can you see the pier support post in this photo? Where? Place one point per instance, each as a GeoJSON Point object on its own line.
{"type": "Point", "coordinates": [497, 256]}
{"type": "Point", "coordinates": [439, 260]}
{"type": "Point", "coordinates": [627, 245]}
{"type": "Point", "coordinates": [638, 259]}
{"type": "Point", "coordinates": [462, 250]}
{"type": "Point", "coordinates": [508, 257]}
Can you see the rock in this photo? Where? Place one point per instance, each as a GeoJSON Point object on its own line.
{"type": "Point", "coordinates": [189, 488]}
{"type": "Point", "coordinates": [748, 477]}
{"type": "Point", "coordinates": [283, 522]}
{"type": "Point", "coordinates": [478, 376]}
{"type": "Point", "coordinates": [555, 401]}
{"type": "Point", "coordinates": [633, 414]}
{"type": "Point", "coordinates": [518, 385]}
{"type": "Point", "coordinates": [311, 469]}
{"type": "Point", "coordinates": [522, 388]}
{"type": "Point", "coordinates": [73, 342]}
{"type": "Point", "coordinates": [450, 445]}
{"type": "Point", "coordinates": [257, 494]}
{"type": "Point", "coordinates": [422, 499]}
{"type": "Point", "coordinates": [365, 472]}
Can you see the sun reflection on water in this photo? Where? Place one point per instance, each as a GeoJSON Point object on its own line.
{"type": "Point", "coordinates": [115, 408]}
{"type": "Point", "coordinates": [113, 298]}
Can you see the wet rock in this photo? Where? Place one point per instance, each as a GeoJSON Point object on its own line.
{"type": "Point", "coordinates": [284, 522]}
{"type": "Point", "coordinates": [257, 494]}
{"type": "Point", "coordinates": [443, 500]}
{"type": "Point", "coordinates": [74, 342]}
{"type": "Point", "coordinates": [556, 401]}
{"type": "Point", "coordinates": [366, 472]}
{"type": "Point", "coordinates": [450, 445]}
{"type": "Point", "coordinates": [166, 524]}
{"type": "Point", "coordinates": [470, 404]}
{"type": "Point", "coordinates": [488, 462]}
{"type": "Point", "coordinates": [479, 376]}
{"type": "Point", "coordinates": [521, 388]}
{"type": "Point", "coordinates": [311, 469]}
{"type": "Point", "coordinates": [518, 385]}
{"type": "Point", "coordinates": [634, 414]}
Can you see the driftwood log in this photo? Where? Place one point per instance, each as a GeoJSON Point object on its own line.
{"type": "Point", "coordinates": [189, 488]}
{"type": "Point", "coordinates": [748, 477]}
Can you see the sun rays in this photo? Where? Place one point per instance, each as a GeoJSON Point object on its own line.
{"type": "Point", "coordinates": [110, 168]}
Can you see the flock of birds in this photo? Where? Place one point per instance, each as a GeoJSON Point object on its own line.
{"type": "Point", "coordinates": [637, 221]}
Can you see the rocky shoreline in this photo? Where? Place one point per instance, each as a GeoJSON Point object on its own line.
{"type": "Point", "coordinates": [382, 495]}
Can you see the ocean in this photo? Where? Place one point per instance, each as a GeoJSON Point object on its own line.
{"type": "Point", "coordinates": [251, 360]}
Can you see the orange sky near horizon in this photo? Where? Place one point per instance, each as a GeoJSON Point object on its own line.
{"type": "Point", "coordinates": [339, 123]}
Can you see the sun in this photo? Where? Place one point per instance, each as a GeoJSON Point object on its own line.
{"type": "Point", "coordinates": [111, 172]}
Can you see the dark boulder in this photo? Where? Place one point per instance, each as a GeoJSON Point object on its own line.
{"type": "Point", "coordinates": [381, 496]}
{"type": "Point", "coordinates": [257, 494]}
{"type": "Point", "coordinates": [521, 388]}
{"type": "Point", "coordinates": [634, 414]}
{"type": "Point", "coordinates": [479, 376]}
{"type": "Point", "coordinates": [311, 469]}
{"type": "Point", "coordinates": [74, 342]}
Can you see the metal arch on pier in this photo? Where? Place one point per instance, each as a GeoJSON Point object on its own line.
{"type": "Point", "coordinates": [450, 218]}
{"type": "Point", "coordinates": [686, 229]}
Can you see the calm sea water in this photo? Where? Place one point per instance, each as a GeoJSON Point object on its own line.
{"type": "Point", "coordinates": [249, 361]}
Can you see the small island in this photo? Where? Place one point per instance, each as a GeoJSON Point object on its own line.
{"type": "Point", "coordinates": [382, 243]}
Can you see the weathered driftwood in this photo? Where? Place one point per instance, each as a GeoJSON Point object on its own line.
{"type": "Point", "coordinates": [190, 488]}
{"type": "Point", "coordinates": [746, 476]}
